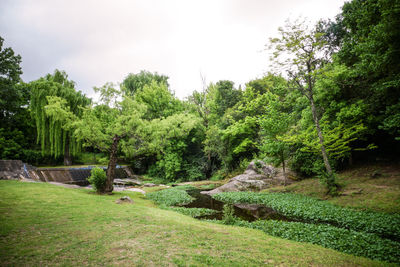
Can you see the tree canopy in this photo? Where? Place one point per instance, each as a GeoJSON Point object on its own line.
{"type": "Point", "coordinates": [330, 98]}
{"type": "Point", "coordinates": [55, 139]}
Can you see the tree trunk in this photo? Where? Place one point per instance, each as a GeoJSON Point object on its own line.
{"type": "Point", "coordinates": [321, 138]}
{"type": "Point", "coordinates": [67, 154]}
{"type": "Point", "coordinates": [112, 165]}
{"type": "Point", "coordinates": [283, 169]}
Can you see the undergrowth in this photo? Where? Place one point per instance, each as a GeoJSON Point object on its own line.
{"type": "Point", "coordinates": [309, 209]}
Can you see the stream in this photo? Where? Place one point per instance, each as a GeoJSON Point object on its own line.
{"type": "Point", "coordinates": [247, 212]}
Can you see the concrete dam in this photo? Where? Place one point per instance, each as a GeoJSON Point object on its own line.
{"type": "Point", "coordinates": [17, 170]}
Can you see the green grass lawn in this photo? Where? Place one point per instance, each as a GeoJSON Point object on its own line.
{"type": "Point", "coordinates": [42, 224]}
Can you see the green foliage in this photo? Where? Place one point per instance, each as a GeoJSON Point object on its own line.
{"type": "Point", "coordinates": [174, 140]}
{"type": "Point", "coordinates": [274, 124]}
{"type": "Point", "coordinates": [228, 214]}
{"type": "Point", "coordinates": [312, 210]}
{"type": "Point", "coordinates": [221, 97]}
{"type": "Point", "coordinates": [53, 131]}
{"type": "Point", "coordinates": [159, 101]}
{"type": "Point", "coordinates": [17, 136]}
{"type": "Point", "coordinates": [10, 71]}
{"type": "Point", "coordinates": [367, 39]}
{"type": "Point", "coordinates": [170, 197]}
{"type": "Point", "coordinates": [98, 179]}
{"type": "Point", "coordinates": [344, 240]}
{"type": "Point", "coordinates": [136, 82]}
{"type": "Point", "coordinates": [305, 163]}
{"type": "Point", "coordinates": [217, 176]}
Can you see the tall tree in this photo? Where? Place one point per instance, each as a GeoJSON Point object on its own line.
{"type": "Point", "coordinates": [275, 123]}
{"type": "Point", "coordinates": [302, 53]}
{"type": "Point", "coordinates": [16, 130]}
{"type": "Point", "coordinates": [102, 126]}
{"type": "Point", "coordinates": [10, 71]}
{"type": "Point", "coordinates": [367, 35]}
{"type": "Point", "coordinates": [53, 137]}
{"type": "Point", "coordinates": [135, 82]}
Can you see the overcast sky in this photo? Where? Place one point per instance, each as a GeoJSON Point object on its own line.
{"type": "Point", "coordinates": [102, 41]}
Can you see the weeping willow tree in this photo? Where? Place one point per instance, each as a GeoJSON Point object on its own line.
{"type": "Point", "coordinates": [54, 137]}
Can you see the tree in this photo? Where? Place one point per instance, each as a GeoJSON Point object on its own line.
{"type": "Point", "coordinates": [158, 99]}
{"type": "Point", "coordinates": [135, 82]}
{"type": "Point", "coordinates": [302, 53]}
{"type": "Point", "coordinates": [368, 34]}
{"type": "Point", "coordinates": [274, 124]}
{"type": "Point", "coordinates": [175, 141]}
{"type": "Point", "coordinates": [15, 128]}
{"type": "Point", "coordinates": [55, 139]}
{"type": "Point", "coordinates": [10, 70]}
{"type": "Point", "coordinates": [102, 126]}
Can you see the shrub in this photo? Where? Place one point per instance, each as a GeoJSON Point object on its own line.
{"type": "Point", "coordinates": [309, 209]}
{"type": "Point", "coordinates": [98, 179]}
{"type": "Point", "coordinates": [306, 164]}
{"type": "Point", "coordinates": [228, 215]}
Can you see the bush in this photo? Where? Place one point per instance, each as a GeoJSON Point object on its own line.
{"type": "Point", "coordinates": [306, 164]}
{"type": "Point", "coordinates": [228, 215]}
{"type": "Point", "coordinates": [98, 179]}
{"type": "Point", "coordinates": [309, 209]}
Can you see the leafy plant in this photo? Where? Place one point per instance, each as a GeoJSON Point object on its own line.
{"type": "Point", "coordinates": [170, 197]}
{"type": "Point", "coordinates": [229, 217]}
{"type": "Point", "coordinates": [344, 240]}
{"type": "Point", "coordinates": [309, 209]}
{"type": "Point", "coordinates": [98, 179]}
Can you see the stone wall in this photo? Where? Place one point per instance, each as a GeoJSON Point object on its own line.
{"type": "Point", "coordinates": [17, 170]}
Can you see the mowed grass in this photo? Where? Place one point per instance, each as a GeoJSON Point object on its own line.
{"type": "Point", "coordinates": [359, 189]}
{"type": "Point", "coordinates": [46, 225]}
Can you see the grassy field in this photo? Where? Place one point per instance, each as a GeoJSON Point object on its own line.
{"type": "Point", "coordinates": [42, 224]}
{"type": "Point", "coordinates": [359, 188]}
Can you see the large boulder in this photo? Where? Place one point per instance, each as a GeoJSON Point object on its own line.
{"type": "Point", "coordinates": [257, 176]}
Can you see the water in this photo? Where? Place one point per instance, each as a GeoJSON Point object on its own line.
{"type": "Point", "coordinates": [248, 212]}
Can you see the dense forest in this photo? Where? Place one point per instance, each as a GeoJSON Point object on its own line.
{"type": "Point", "coordinates": [331, 99]}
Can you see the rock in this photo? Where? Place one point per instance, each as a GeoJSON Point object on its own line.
{"type": "Point", "coordinates": [127, 181]}
{"type": "Point", "coordinates": [124, 199]}
{"type": "Point", "coordinates": [351, 192]}
{"type": "Point", "coordinates": [375, 174]}
{"type": "Point", "coordinates": [257, 176]}
{"type": "Point", "coordinates": [149, 185]}
{"type": "Point", "coordinates": [136, 190]}
{"type": "Point", "coordinates": [259, 211]}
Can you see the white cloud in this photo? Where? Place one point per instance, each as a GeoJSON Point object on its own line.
{"type": "Point", "coordinates": [100, 41]}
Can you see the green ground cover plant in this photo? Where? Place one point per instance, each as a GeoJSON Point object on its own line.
{"type": "Point", "coordinates": [170, 197]}
{"type": "Point", "coordinates": [309, 209]}
{"type": "Point", "coordinates": [348, 241]}
{"type": "Point", "coordinates": [46, 225]}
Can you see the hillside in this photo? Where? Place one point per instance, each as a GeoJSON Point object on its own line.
{"type": "Point", "coordinates": [42, 224]}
